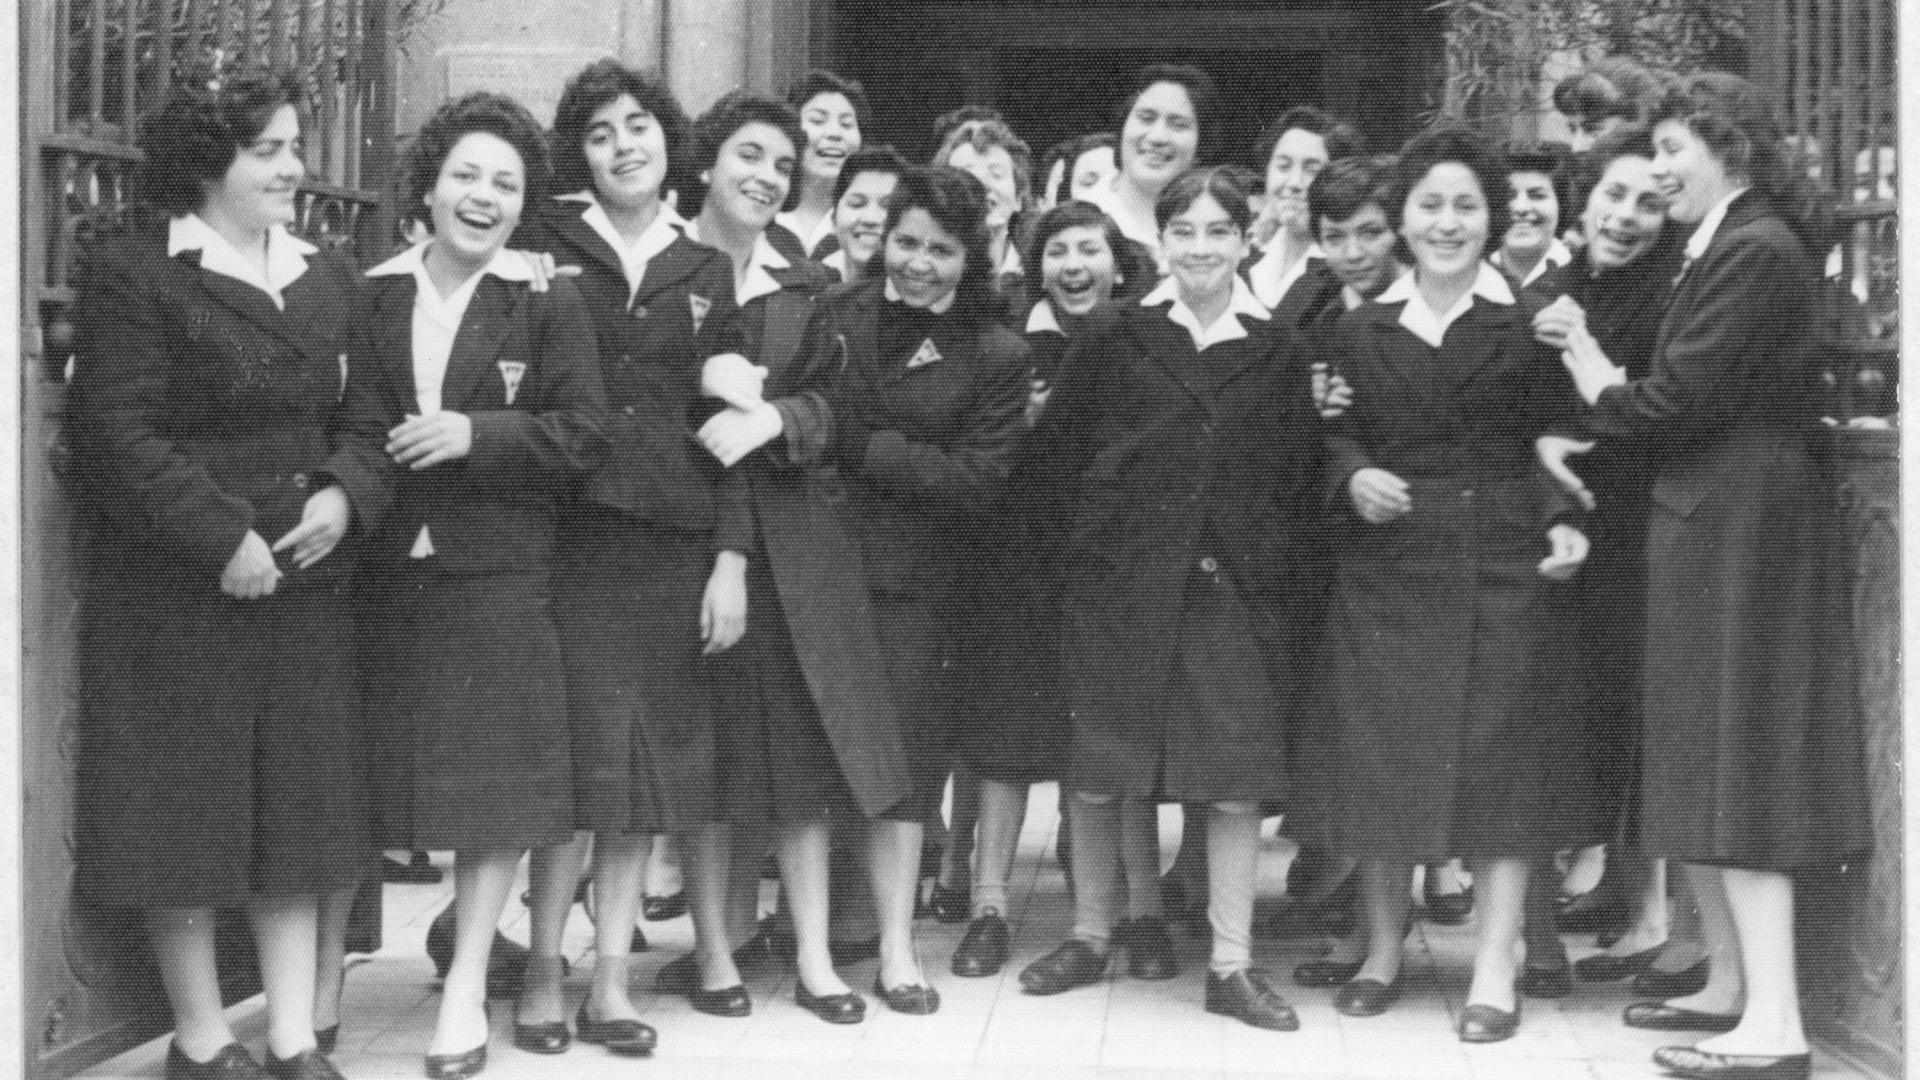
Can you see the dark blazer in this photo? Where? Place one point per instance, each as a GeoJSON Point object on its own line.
{"type": "Point", "coordinates": [1315, 292]}
{"type": "Point", "coordinates": [494, 510]}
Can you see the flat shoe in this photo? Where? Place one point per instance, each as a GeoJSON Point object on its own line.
{"type": "Point", "coordinates": [950, 905]}
{"type": "Point", "coordinates": [629, 1037]}
{"type": "Point", "coordinates": [1660, 1016]}
{"type": "Point", "coordinates": [1366, 997]}
{"type": "Point", "coordinates": [1704, 1065]}
{"type": "Point", "coordinates": [731, 1001]}
{"type": "Point", "coordinates": [912, 999]}
{"type": "Point", "coordinates": [1543, 982]}
{"type": "Point", "coordinates": [662, 908]}
{"type": "Point", "coordinates": [1247, 997]}
{"type": "Point", "coordinates": [1486, 1024]}
{"type": "Point", "coordinates": [457, 1066]}
{"type": "Point", "coordinates": [1655, 983]}
{"type": "Point", "coordinates": [305, 1065]}
{"type": "Point", "coordinates": [1324, 972]}
{"type": "Point", "coordinates": [231, 1063]}
{"type": "Point", "coordinates": [680, 976]}
{"type": "Point", "coordinates": [1149, 948]}
{"type": "Point", "coordinates": [547, 1038]}
{"type": "Point", "coordinates": [1073, 964]}
{"type": "Point", "coordinates": [847, 1008]}
{"type": "Point", "coordinates": [984, 950]}
{"type": "Point", "coordinates": [1604, 968]}
{"type": "Point", "coordinates": [1449, 909]}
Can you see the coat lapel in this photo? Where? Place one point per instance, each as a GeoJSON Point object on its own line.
{"type": "Point", "coordinates": [240, 298]}
{"type": "Point", "coordinates": [391, 331]}
{"type": "Point", "coordinates": [569, 223]}
{"type": "Point", "coordinates": [482, 332]}
{"type": "Point", "coordinates": [675, 263]}
{"type": "Point", "coordinates": [1486, 329]}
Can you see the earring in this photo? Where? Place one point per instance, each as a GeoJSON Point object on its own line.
{"type": "Point", "coordinates": [706, 177]}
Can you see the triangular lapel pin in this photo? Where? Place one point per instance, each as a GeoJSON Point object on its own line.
{"type": "Point", "coordinates": [511, 372]}
{"type": "Point", "coordinates": [926, 354]}
{"type": "Point", "coordinates": [699, 306]}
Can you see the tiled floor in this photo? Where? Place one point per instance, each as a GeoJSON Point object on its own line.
{"type": "Point", "coordinates": [1125, 1029]}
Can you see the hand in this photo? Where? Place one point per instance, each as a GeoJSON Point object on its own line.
{"type": "Point", "coordinates": [723, 609]}
{"type": "Point", "coordinates": [322, 525]}
{"type": "Point", "coordinates": [1591, 370]}
{"type": "Point", "coordinates": [544, 270]}
{"type": "Point", "coordinates": [730, 435]}
{"type": "Point", "coordinates": [1331, 393]}
{"type": "Point", "coordinates": [422, 442]}
{"type": "Point", "coordinates": [1553, 452]}
{"type": "Point", "coordinates": [1379, 496]}
{"type": "Point", "coordinates": [250, 574]}
{"type": "Point", "coordinates": [733, 379]}
{"type": "Point", "coordinates": [1551, 323]}
{"type": "Point", "coordinates": [1569, 552]}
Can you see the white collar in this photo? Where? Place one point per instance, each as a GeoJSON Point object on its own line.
{"type": "Point", "coordinates": [1107, 197]}
{"type": "Point", "coordinates": [1703, 233]}
{"type": "Point", "coordinates": [286, 255]}
{"type": "Point", "coordinates": [507, 264]}
{"type": "Point", "coordinates": [1042, 320]}
{"type": "Point", "coordinates": [1229, 328]}
{"type": "Point", "coordinates": [634, 255]}
{"type": "Point", "coordinates": [1431, 326]}
{"type": "Point", "coordinates": [1558, 254]}
{"type": "Point", "coordinates": [1353, 299]}
{"type": "Point", "coordinates": [836, 261]}
{"type": "Point", "coordinates": [938, 307]}
{"type": "Point", "coordinates": [1271, 282]}
{"type": "Point", "coordinates": [761, 262]}
{"type": "Point", "coordinates": [812, 239]}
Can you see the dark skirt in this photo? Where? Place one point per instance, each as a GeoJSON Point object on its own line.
{"type": "Point", "coordinates": [1012, 724]}
{"type": "Point", "coordinates": [220, 750]}
{"type": "Point", "coordinates": [913, 634]}
{"type": "Point", "coordinates": [1610, 594]}
{"type": "Point", "coordinates": [639, 693]}
{"type": "Point", "coordinates": [467, 701]}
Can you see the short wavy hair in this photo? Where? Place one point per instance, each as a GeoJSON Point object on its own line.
{"type": "Point", "coordinates": [820, 81]}
{"type": "Point", "coordinates": [192, 139]}
{"type": "Point", "coordinates": [735, 110]}
{"type": "Point", "coordinates": [1067, 153]}
{"type": "Point", "coordinates": [984, 135]}
{"type": "Point", "coordinates": [1135, 275]}
{"type": "Point", "coordinates": [1550, 159]}
{"type": "Point", "coordinates": [595, 87]}
{"type": "Point", "coordinates": [1227, 184]}
{"type": "Point", "coordinates": [880, 158]}
{"type": "Point", "coordinates": [1609, 86]}
{"type": "Point", "coordinates": [1446, 144]}
{"type": "Point", "coordinates": [1346, 186]}
{"type": "Point", "coordinates": [1740, 126]}
{"type": "Point", "coordinates": [957, 202]}
{"type": "Point", "coordinates": [480, 111]}
{"type": "Point", "coordinates": [1343, 139]}
{"type": "Point", "coordinates": [1584, 170]}
{"type": "Point", "coordinates": [1200, 90]}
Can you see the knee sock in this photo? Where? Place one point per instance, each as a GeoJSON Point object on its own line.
{"type": "Point", "coordinates": [1096, 866]}
{"type": "Point", "coordinates": [1233, 838]}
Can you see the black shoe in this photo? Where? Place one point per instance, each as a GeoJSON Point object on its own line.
{"type": "Point", "coordinates": [732, 1001]}
{"type": "Point", "coordinates": [231, 1063]}
{"type": "Point", "coordinates": [1655, 983]}
{"type": "Point", "coordinates": [1660, 1016]}
{"type": "Point", "coordinates": [548, 1038]}
{"type": "Point", "coordinates": [1324, 972]}
{"type": "Point", "coordinates": [848, 1008]}
{"type": "Point", "coordinates": [1073, 964]}
{"type": "Point", "coordinates": [1149, 948]}
{"type": "Point", "coordinates": [844, 953]}
{"type": "Point", "coordinates": [327, 1039]}
{"type": "Point", "coordinates": [1246, 996]}
{"type": "Point", "coordinates": [775, 934]}
{"type": "Point", "coordinates": [457, 1066]}
{"type": "Point", "coordinates": [1446, 909]}
{"type": "Point", "coordinates": [1366, 997]}
{"type": "Point", "coordinates": [1546, 982]}
{"type": "Point", "coordinates": [628, 1037]}
{"type": "Point", "coordinates": [681, 975]}
{"type": "Point", "coordinates": [305, 1065]}
{"type": "Point", "coordinates": [506, 963]}
{"type": "Point", "coordinates": [1486, 1024]}
{"type": "Point", "coordinates": [912, 999]}
{"type": "Point", "coordinates": [1605, 968]}
{"type": "Point", "coordinates": [949, 905]}
{"type": "Point", "coordinates": [1181, 902]}
{"type": "Point", "coordinates": [662, 908]}
{"type": "Point", "coordinates": [984, 950]}
{"type": "Point", "coordinates": [415, 871]}
{"type": "Point", "coordinates": [1700, 1064]}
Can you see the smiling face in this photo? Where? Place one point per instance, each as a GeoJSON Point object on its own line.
{"type": "Point", "coordinates": [1077, 269]}
{"type": "Point", "coordinates": [1161, 136]}
{"type": "Point", "coordinates": [476, 202]}
{"type": "Point", "coordinates": [258, 189]}
{"type": "Point", "coordinates": [1296, 159]}
{"type": "Point", "coordinates": [1535, 219]}
{"type": "Point", "coordinates": [626, 152]}
{"type": "Point", "coordinates": [1624, 214]}
{"type": "Point", "coordinates": [1445, 221]}
{"type": "Point", "coordinates": [1360, 250]}
{"type": "Point", "coordinates": [1092, 170]}
{"type": "Point", "coordinates": [751, 176]}
{"type": "Point", "coordinates": [833, 132]}
{"type": "Point", "coordinates": [1204, 247]}
{"type": "Point", "coordinates": [860, 217]}
{"type": "Point", "coordinates": [1689, 175]}
{"type": "Point", "coordinates": [924, 261]}
{"type": "Point", "coordinates": [993, 167]}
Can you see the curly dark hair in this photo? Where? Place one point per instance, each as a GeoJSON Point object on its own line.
{"type": "Point", "coordinates": [1456, 145]}
{"type": "Point", "coordinates": [1346, 186]}
{"type": "Point", "coordinates": [1584, 170]}
{"type": "Point", "coordinates": [1343, 139]}
{"type": "Point", "coordinates": [880, 158]}
{"type": "Point", "coordinates": [820, 81]}
{"type": "Point", "coordinates": [1200, 90]}
{"type": "Point", "coordinates": [1227, 184]}
{"type": "Point", "coordinates": [1551, 159]}
{"type": "Point", "coordinates": [957, 202]}
{"type": "Point", "coordinates": [984, 135]}
{"type": "Point", "coordinates": [494, 114]}
{"type": "Point", "coordinates": [1609, 86]}
{"type": "Point", "coordinates": [1133, 275]}
{"type": "Point", "coordinates": [1737, 122]}
{"type": "Point", "coordinates": [735, 110]}
{"type": "Point", "coordinates": [594, 88]}
{"type": "Point", "coordinates": [191, 140]}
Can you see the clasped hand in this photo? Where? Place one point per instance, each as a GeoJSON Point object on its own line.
{"type": "Point", "coordinates": [733, 379]}
{"type": "Point", "coordinates": [251, 572]}
{"type": "Point", "coordinates": [421, 442]}
{"type": "Point", "coordinates": [1379, 496]}
{"type": "Point", "coordinates": [1555, 452]}
{"type": "Point", "coordinates": [1569, 552]}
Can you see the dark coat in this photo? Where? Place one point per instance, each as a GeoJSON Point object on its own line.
{"type": "Point", "coordinates": [1753, 746]}
{"type": "Point", "coordinates": [1312, 295]}
{"type": "Point", "coordinates": [1448, 732]}
{"type": "Point", "coordinates": [1172, 472]}
{"type": "Point", "coordinates": [220, 751]}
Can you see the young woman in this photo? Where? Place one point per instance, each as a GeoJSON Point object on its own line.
{"type": "Point", "coordinates": [1290, 276]}
{"type": "Point", "coordinates": [1744, 676]}
{"type": "Point", "coordinates": [1169, 123]}
{"type": "Point", "coordinates": [229, 459]}
{"type": "Point", "coordinates": [1183, 631]}
{"type": "Point", "coordinates": [1439, 637]}
{"type": "Point", "coordinates": [496, 398]}
{"type": "Point", "coordinates": [647, 560]}
{"type": "Point", "coordinates": [1537, 190]}
{"type": "Point", "coordinates": [1074, 166]}
{"type": "Point", "coordinates": [1606, 94]}
{"type": "Point", "coordinates": [860, 208]}
{"type": "Point", "coordinates": [833, 113]}
{"type": "Point", "coordinates": [991, 153]}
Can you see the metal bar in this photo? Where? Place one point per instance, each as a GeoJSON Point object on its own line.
{"type": "Point", "coordinates": [1802, 76]}
{"type": "Point", "coordinates": [1851, 92]}
{"type": "Point", "coordinates": [129, 66]}
{"type": "Point", "coordinates": [97, 71]}
{"type": "Point", "coordinates": [324, 119]}
{"type": "Point", "coordinates": [61, 40]}
{"type": "Point", "coordinates": [377, 128]}
{"type": "Point", "coordinates": [163, 50]}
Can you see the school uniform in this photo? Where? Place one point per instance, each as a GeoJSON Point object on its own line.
{"type": "Point", "coordinates": [1298, 294]}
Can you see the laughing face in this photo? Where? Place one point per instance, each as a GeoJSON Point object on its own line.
{"type": "Point", "coordinates": [1624, 214]}
{"type": "Point", "coordinates": [1445, 222]}
{"type": "Point", "coordinates": [1535, 219]}
{"type": "Point", "coordinates": [475, 204]}
{"type": "Point", "coordinates": [1690, 176]}
{"type": "Point", "coordinates": [924, 261]}
{"type": "Point", "coordinates": [751, 176]}
{"type": "Point", "coordinates": [1204, 246]}
{"type": "Point", "coordinates": [1161, 136]}
{"type": "Point", "coordinates": [860, 217]}
{"type": "Point", "coordinates": [833, 132]}
{"type": "Point", "coordinates": [993, 167]}
{"type": "Point", "coordinates": [1077, 269]}
{"type": "Point", "coordinates": [1297, 158]}
{"type": "Point", "coordinates": [627, 153]}
{"type": "Point", "coordinates": [259, 186]}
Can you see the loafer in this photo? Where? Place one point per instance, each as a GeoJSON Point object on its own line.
{"type": "Point", "coordinates": [1655, 983]}
{"type": "Point", "coordinates": [1605, 968]}
{"type": "Point", "coordinates": [1486, 1024]}
{"type": "Point", "coordinates": [1324, 972]}
{"type": "Point", "coordinates": [847, 1008]}
{"type": "Point", "coordinates": [1449, 909]}
{"type": "Point", "coordinates": [457, 1066]}
{"type": "Point", "coordinates": [1660, 1016]}
{"type": "Point", "coordinates": [548, 1038]}
{"type": "Point", "coordinates": [732, 1001]}
{"type": "Point", "coordinates": [1073, 964]}
{"type": "Point", "coordinates": [1247, 997]}
{"type": "Point", "coordinates": [1704, 1065]}
{"type": "Point", "coordinates": [629, 1037]}
{"type": "Point", "coordinates": [1149, 948]}
{"type": "Point", "coordinates": [1365, 997]}
{"type": "Point", "coordinates": [1546, 982]}
{"type": "Point", "coordinates": [231, 1063]}
{"type": "Point", "coordinates": [984, 950]}
{"type": "Point", "coordinates": [950, 905]}
{"type": "Point", "coordinates": [327, 1039]}
{"type": "Point", "coordinates": [662, 908]}
{"type": "Point", "coordinates": [912, 999]}
{"type": "Point", "coordinates": [305, 1065]}
{"type": "Point", "coordinates": [853, 952]}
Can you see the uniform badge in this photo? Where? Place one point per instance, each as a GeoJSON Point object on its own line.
{"type": "Point", "coordinates": [926, 354]}
{"type": "Point", "coordinates": [699, 306]}
{"type": "Point", "coordinates": [510, 374]}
